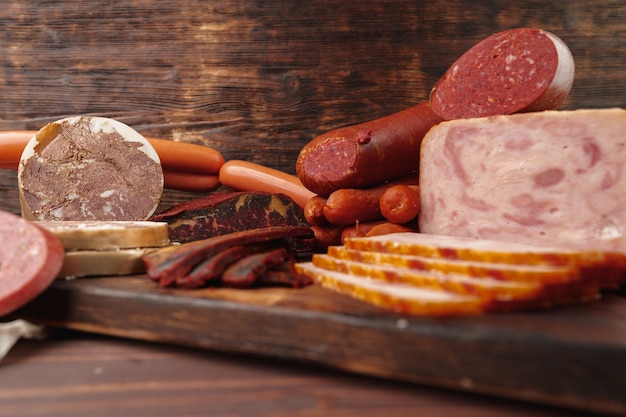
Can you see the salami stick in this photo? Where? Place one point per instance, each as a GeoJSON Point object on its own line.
{"type": "Point", "coordinates": [513, 71]}
{"type": "Point", "coordinates": [366, 154]}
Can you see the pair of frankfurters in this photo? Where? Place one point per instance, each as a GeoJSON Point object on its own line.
{"type": "Point", "coordinates": [186, 167]}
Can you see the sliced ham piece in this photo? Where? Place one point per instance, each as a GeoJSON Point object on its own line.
{"type": "Point", "coordinates": [400, 271]}
{"type": "Point", "coordinates": [483, 287]}
{"type": "Point", "coordinates": [400, 298]}
{"type": "Point", "coordinates": [548, 274]}
{"type": "Point", "coordinates": [553, 178]}
{"type": "Point", "coordinates": [483, 250]}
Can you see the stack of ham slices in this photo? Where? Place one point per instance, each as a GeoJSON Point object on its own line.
{"type": "Point", "coordinates": [435, 275]}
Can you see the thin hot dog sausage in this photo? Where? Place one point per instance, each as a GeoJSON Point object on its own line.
{"type": "Point", "coordinates": [248, 176]}
{"type": "Point", "coordinates": [190, 181]}
{"type": "Point", "coordinates": [400, 203]}
{"type": "Point", "coordinates": [188, 157]}
{"type": "Point", "coordinates": [511, 71]}
{"type": "Point", "coordinates": [174, 156]}
{"type": "Point", "coordinates": [347, 206]}
{"type": "Point", "coordinates": [365, 154]}
{"type": "Point", "coordinates": [12, 145]}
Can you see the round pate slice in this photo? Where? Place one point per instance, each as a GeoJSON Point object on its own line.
{"type": "Point", "coordinates": [89, 168]}
{"type": "Point", "coordinates": [30, 259]}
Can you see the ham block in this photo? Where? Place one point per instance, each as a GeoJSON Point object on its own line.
{"type": "Point", "coordinates": [553, 178]}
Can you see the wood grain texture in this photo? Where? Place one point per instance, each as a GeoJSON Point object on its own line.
{"type": "Point", "coordinates": [548, 357]}
{"type": "Point", "coordinates": [103, 377]}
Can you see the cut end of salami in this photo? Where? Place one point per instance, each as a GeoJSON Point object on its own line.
{"type": "Point", "coordinates": [30, 259]}
{"type": "Point", "coordinates": [516, 70]}
{"type": "Point", "coordinates": [323, 173]}
{"type": "Point", "coordinates": [89, 168]}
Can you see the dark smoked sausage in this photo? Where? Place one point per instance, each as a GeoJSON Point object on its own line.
{"type": "Point", "coordinates": [365, 154]}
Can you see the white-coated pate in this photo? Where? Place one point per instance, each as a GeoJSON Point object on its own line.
{"type": "Point", "coordinates": [89, 168]}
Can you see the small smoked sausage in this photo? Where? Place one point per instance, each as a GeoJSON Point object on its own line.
{"type": "Point", "coordinates": [326, 235]}
{"type": "Point", "coordinates": [359, 229]}
{"type": "Point", "coordinates": [365, 154]}
{"type": "Point", "coordinates": [314, 211]}
{"type": "Point", "coordinates": [511, 71]}
{"type": "Point", "coordinates": [347, 206]}
{"type": "Point", "coordinates": [400, 203]}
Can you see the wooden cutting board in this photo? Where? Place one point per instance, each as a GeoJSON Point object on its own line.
{"type": "Point", "coordinates": [570, 357]}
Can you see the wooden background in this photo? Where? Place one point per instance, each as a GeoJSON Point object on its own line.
{"type": "Point", "coordinates": [258, 79]}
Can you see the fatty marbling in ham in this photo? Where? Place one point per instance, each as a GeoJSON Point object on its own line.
{"type": "Point", "coordinates": [553, 178]}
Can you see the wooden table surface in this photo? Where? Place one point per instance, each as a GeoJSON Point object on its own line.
{"type": "Point", "coordinates": [75, 374]}
{"type": "Point", "coordinates": [255, 80]}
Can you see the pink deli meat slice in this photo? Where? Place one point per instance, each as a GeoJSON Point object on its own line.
{"type": "Point", "coordinates": [399, 298]}
{"type": "Point", "coordinates": [457, 283]}
{"type": "Point", "coordinates": [553, 178]}
{"type": "Point", "coordinates": [30, 259]}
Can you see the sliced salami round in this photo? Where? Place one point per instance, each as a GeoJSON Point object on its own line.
{"type": "Point", "coordinates": [512, 71]}
{"type": "Point", "coordinates": [30, 259]}
{"type": "Point", "coordinates": [89, 168]}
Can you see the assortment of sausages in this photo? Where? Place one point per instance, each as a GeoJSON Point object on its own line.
{"type": "Point", "coordinates": [351, 182]}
